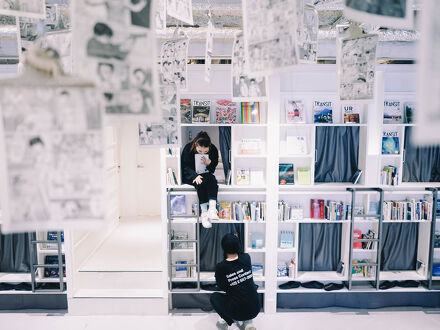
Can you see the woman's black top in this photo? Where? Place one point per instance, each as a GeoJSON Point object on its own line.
{"type": "Point", "coordinates": [236, 279]}
{"type": "Point", "coordinates": [188, 163]}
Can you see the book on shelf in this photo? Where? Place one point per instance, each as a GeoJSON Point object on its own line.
{"type": "Point", "coordinates": [251, 211]}
{"type": "Point", "coordinates": [243, 177]}
{"type": "Point", "coordinates": [352, 113]}
{"type": "Point", "coordinates": [250, 112]}
{"type": "Point", "coordinates": [317, 209]}
{"type": "Point", "coordinates": [287, 211]}
{"type": "Point", "coordinates": [228, 179]}
{"type": "Point", "coordinates": [257, 240]}
{"type": "Point", "coordinates": [53, 272]}
{"type": "Point", "coordinates": [257, 177]}
{"type": "Point", "coordinates": [225, 112]}
{"type": "Point", "coordinates": [200, 111]}
{"type": "Point", "coordinates": [392, 112]}
{"type": "Point", "coordinates": [185, 111]}
{"type": "Point", "coordinates": [53, 236]}
{"type": "Point", "coordinates": [258, 270]}
{"type": "Point", "coordinates": [286, 174]}
{"type": "Point", "coordinates": [390, 142]}
{"type": "Point", "coordinates": [171, 177]}
{"type": "Point", "coordinates": [225, 210]}
{"type": "Point", "coordinates": [356, 176]}
{"type": "Point", "coordinates": [183, 271]}
{"type": "Point", "coordinates": [194, 209]}
{"type": "Point", "coordinates": [389, 175]}
{"type": "Point", "coordinates": [287, 239]}
{"type": "Point", "coordinates": [250, 146]}
{"type": "Point", "coordinates": [360, 270]}
{"type": "Point", "coordinates": [408, 112]}
{"type": "Point", "coordinates": [180, 235]}
{"type": "Point", "coordinates": [292, 267]}
{"type": "Point", "coordinates": [296, 145]}
{"type": "Point", "coordinates": [178, 204]}
{"type": "Point", "coordinates": [408, 210]}
{"type": "Point", "coordinates": [172, 151]}
{"type": "Point", "coordinates": [329, 210]}
{"type": "Point", "coordinates": [304, 175]}
{"type": "Point", "coordinates": [322, 112]}
{"type": "Point", "coordinates": [357, 234]}
{"type": "Point", "coordinates": [370, 245]}
{"type": "Point", "coordinates": [200, 166]}
{"type": "Point", "coordinates": [282, 270]}
{"type": "Point", "coordinates": [294, 112]}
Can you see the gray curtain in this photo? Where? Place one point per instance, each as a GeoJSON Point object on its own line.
{"type": "Point", "coordinates": [422, 164]}
{"type": "Point", "coordinates": [211, 251]}
{"type": "Point", "coordinates": [399, 251]}
{"type": "Point", "coordinates": [337, 151]}
{"type": "Point", "coordinates": [319, 246]}
{"type": "Point", "coordinates": [224, 134]}
{"type": "Point", "coordinates": [14, 253]}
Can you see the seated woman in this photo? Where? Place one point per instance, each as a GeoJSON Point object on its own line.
{"type": "Point", "coordinates": [202, 176]}
{"type": "Point", "coordinates": [234, 276]}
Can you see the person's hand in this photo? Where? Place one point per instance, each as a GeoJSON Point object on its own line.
{"type": "Point", "coordinates": [206, 161]}
{"type": "Point", "coordinates": [198, 180]}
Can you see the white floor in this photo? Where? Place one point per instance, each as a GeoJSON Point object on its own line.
{"type": "Point", "coordinates": [319, 320]}
{"type": "Point", "coordinates": [131, 247]}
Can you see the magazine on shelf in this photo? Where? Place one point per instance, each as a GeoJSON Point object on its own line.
{"type": "Point", "coordinates": [323, 112]}
{"type": "Point", "coordinates": [185, 111]}
{"type": "Point", "coordinates": [243, 177]}
{"type": "Point", "coordinates": [352, 113]}
{"type": "Point", "coordinates": [224, 210]}
{"type": "Point", "coordinates": [409, 109]}
{"type": "Point", "coordinates": [178, 204]}
{"type": "Point", "coordinates": [389, 175]}
{"type": "Point", "coordinates": [392, 112]}
{"type": "Point", "coordinates": [294, 112]}
{"type": "Point", "coordinates": [304, 175]}
{"type": "Point", "coordinates": [250, 112]}
{"type": "Point", "coordinates": [251, 146]}
{"type": "Point", "coordinates": [258, 270]}
{"type": "Point", "coordinates": [225, 112]}
{"type": "Point", "coordinates": [286, 174]}
{"type": "Point", "coordinates": [390, 142]}
{"type": "Point", "coordinates": [200, 167]}
{"type": "Point", "coordinates": [296, 145]}
{"type": "Point", "coordinates": [200, 111]}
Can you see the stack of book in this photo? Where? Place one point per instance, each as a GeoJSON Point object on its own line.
{"type": "Point", "coordinates": [363, 271]}
{"type": "Point", "coordinates": [252, 211]}
{"type": "Point", "coordinates": [258, 270]}
{"type": "Point", "coordinates": [183, 271]}
{"type": "Point", "coordinates": [357, 234]}
{"type": "Point", "coordinates": [257, 240]}
{"type": "Point", "coordinates": [171, 177]}
{"type": "Point", "coordinates": [330, 210]}
{"type": "Point", "coordinates": [289, 212]}
{"type": "Point", "coordinates": [250, 112]}
{"type": "Point", "coordinates": [410, 210]}
{"type": "Point", "coordinates": [287, 239]}
{"type": "Point", "coordinates": [389, 176]}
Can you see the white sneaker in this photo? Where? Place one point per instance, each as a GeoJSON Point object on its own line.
{"type": "Point", "coordinates": [212, 214]}
{"type": "Point", "coordinates": [234, 326]}
{"type": "Point", "coordinates": [249, 326]}
{"type": "Point", "coordinates": [206, 223]}
{"type": "Point", "coordinates": [221, 324]}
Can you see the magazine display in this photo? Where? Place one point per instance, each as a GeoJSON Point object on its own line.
{"type": "Point", "coordinates": [294, 112]}
{"type": "Point", "coordinates": [200, 111]}
{"type": "Point", "coordinates": [323, 112]}
{"type": "Point", "coordinates": [185, 111]}
{"type": "Point", "coordinates": [250, 112]}
{"type": "Point", "coordinates": [392, 112]}
{"type": "Point", "coordinates": [178, 204]}
{"type": "Point", "coordinates": [352, 113]}
{"type": "Point", "coordinates": [225, 112]}
{"type": "Point", "coordinates": [286, 174]}
{"type": "Point", "coordinates": [390, 143]}
{"type": "Point", "coordinates": [243, 177]}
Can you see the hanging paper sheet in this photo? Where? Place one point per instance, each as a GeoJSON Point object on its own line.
{"type": "Point", "coordinates": [181, 10]}
{"type": "Point", "coordinates": [23, 8]}
{"type": "Point", "coordinates": [269, 36]}
{"type": "Point", "coordinates": [245, 87]}
{"type": "Point", "coordinates": [174, 59]}
{"type": "Point", "coordinates": [161, 15]}
{"type": "Point", "coordinates": [209, 48]}
{"type": "Point", "coordinates": [115, 46]}
{"type": "Point", "coordinates": [308, 34]}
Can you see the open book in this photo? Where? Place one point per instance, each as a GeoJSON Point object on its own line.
{"type": "Point", "coordinates": [200, 167]}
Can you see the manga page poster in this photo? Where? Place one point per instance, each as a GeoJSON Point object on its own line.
{"type": "Point", "coordinates": [62, 42]}
{"type": "Point", "coordinates": [388, 13]}
{"type": "Point", "coordinates": [167, 133]}
{"type": "Point", "coordinates": [270, 36]}
{"type": "Point", "coordinates": [357, 66]}
{"type": "Point", "coordinates": [174, 59]}
{"type": "Point", "coordinates": [10, 41]}
{"type": "Point", "coordinates": [308, 35]}
{"type": "Point", "coordinates": [245, 87]}
{"type": "Point", "coordinates": [115, 46]}
{"type": "Point", "coordinates": [209, 48]}
{"type": "Point", "coordinates": [181, 10]}
{"type": "Point", "coordinates": [53, 165]}
{"type": "Point", "coordinates": [427, 116]}
{"type": "Point", "coordinates": [23, 8]}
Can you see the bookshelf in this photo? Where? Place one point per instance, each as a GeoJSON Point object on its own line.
{"type": "Point", "coordinates": [309, 84]}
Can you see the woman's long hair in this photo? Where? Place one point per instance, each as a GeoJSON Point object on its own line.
{"type": "Point", "coordinates": [202, 139]}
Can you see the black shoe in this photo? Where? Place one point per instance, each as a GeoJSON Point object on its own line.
{"type": "Point", "coordinates": [289, 285]}
{"type": "Point", "coordinates": [387, 285]}
{"type": "Point", "coordinates": [333, 286]}
{"type": "Point", "coordinates": [312, 285]}
{"type": "Point", "coordinates": [408, 284]}
{"type": "Point", "coordinates": [210, 287]}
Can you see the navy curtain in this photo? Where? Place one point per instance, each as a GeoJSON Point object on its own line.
{"type": "Point", "coordinates": [399, 250]}
{"type": "Point", "coordinates": [224, 134]}
{"type": "Point", "coordinates": [14, 253]}
{"type": "Point", "coordinates": [211, 251]}
{"type": "Point", "coordinates": [319, 246]}
{"type": "Point", "coordinates": [337, 151]}
{"type": "Point", "coordinates": [422, 164]}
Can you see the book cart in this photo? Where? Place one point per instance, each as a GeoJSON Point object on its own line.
{"type": "Point", "coordinates": [315, 82]}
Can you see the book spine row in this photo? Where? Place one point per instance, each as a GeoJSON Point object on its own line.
{"type": "Point", "coordinates": [407, 210]}
{"type": "Point", "coordinates": [389, 176]}
{"type": "Point", "coordinates": [171, 177]}
{"type": "Point", "coordinates": [183, 271]}
{"type": "Point", "coordinates": [330, 210]}
{"type": "Point", "coordinates": [240, 211]}
{"type": "Point", "coordinates": [289, 212]}
{"type": "Point", "coordinates": [363, 271]}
